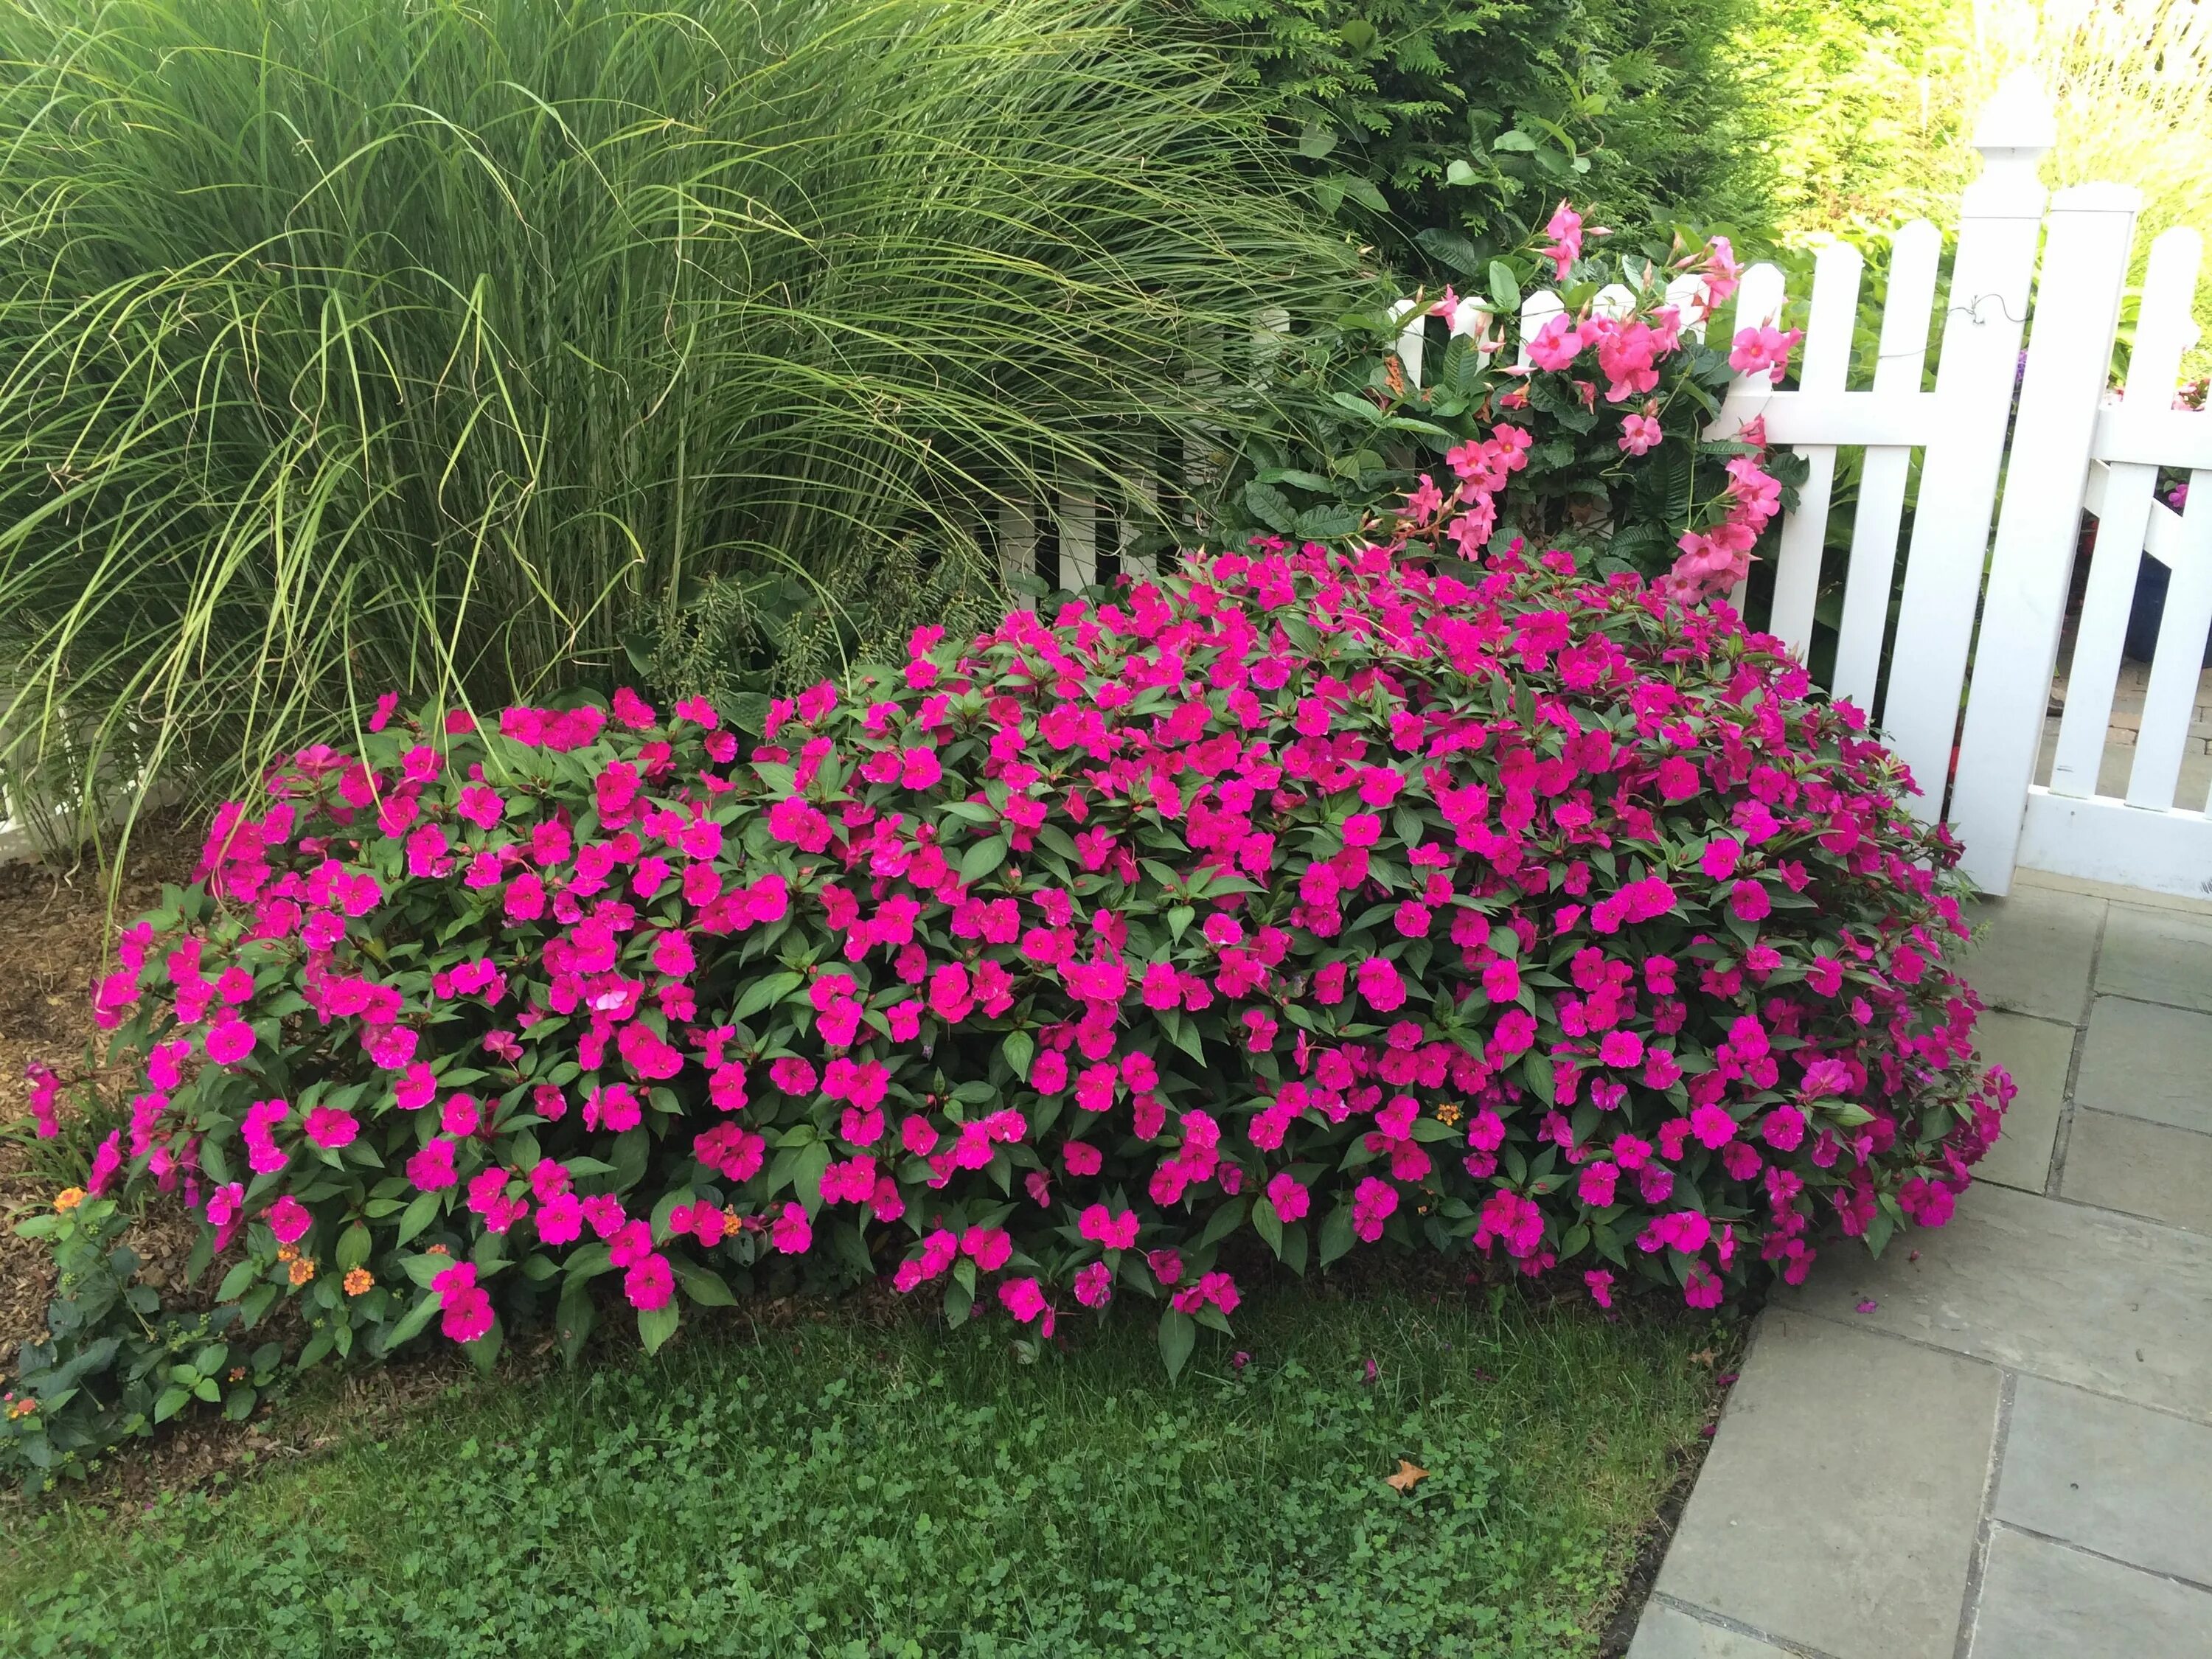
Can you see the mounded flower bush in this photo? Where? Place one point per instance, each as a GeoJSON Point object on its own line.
{"type": "Point", "coordinates": [1315, 900]}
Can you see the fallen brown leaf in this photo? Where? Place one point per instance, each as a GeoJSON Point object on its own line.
{"type": "Point", "coordinates": [1410, 1475]}
{"type": "Point", "coordinates": [1703, 1357]}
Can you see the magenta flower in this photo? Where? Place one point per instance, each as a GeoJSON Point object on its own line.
{"type": "Point", "coordinates": [649, 1282]}
{"type": "Point", "coordinates": [1373, 1202]}
{"type": "Point", "coordinates": [331, 1127]}
{"type": "Point", "coordinates": [1094, 1285]}
{"type": "Point", "coordinates": [229, 1042]}
{"type": "Point", "coordinates": [1379, 982]}
{"type": "Point", "coordinates": [1115, 1232]}
{"type": "Point", "coordinates": [792, 1233]}
{"type": "Point", "coordinates": [289, 1220]}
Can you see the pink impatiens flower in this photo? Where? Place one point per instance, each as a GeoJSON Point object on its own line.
{"type": "Point", "coordinates": [331, 1127]}
{"type": "Point", "coordinates": [466, 1305]}
{"type": "Point", "coordinates": [229, 1042]}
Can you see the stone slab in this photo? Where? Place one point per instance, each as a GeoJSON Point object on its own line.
{"type": "Point", "coordinates": [2147, 1061]}
{"type": "Point", "coordinates": [2132, 1484]}
{"type": "Point", "coordinates": [2157, 956]}
{"type": "Point", "coordinates": [2043, 1601]}
{"type": "Point", "coordinates": [2082, 1295]}
{"type": "Point", "coordinates": [2037, 1052]}
{"type": "Point", "coordinates": [1666, 1632]}
{"type": "Point", "coordinates": [2035, 950]}
{"type": "Point", "coordinates": [1838, 1505]}
{"type": "Point", "coordinates": [2144, 1168]}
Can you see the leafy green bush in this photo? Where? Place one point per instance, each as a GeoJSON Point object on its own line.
{"type": "Point", "coordinates": [357, 344]}
{"type": "Point", "coordinates": [1308, 899]}
{"type": "Point", "coordinates": [113, 1363]}
{"type": "Point", "coordinates": [1443, 130]}
{"type": "Point", "coordinates": [1617, 466]}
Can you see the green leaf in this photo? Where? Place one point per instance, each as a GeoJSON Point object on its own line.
{"type": "Point", "coordinates": [1337, 1237]}
{"type": "Point", "coordinates": [656, 1325]}
{"type": "Point", "coordinates": [980, 860]}
{"type": "Point", "coordinates": [1020, 1050]}
{"type": "Point", "coordinates": [765, 993]}
{"type": "Point", "coordinates": [1516, 139]}
{"type": "Point", "coordinates": [235, 1282]}
{"type": "Point", "coordinates": [1461, 172]}
{"type": "Point", "coordinates": [572, 1321]}
{"type": "Point", "coordinates": [1268, 1225]}
{"type": "Point", "coordinates": [1178, 1335]}
{"type": "Point", "coordinates": [1224, 1222]}
{"type": "Point", "coordinates": [484, 1351]}
{"type": "Point", "coordinates": [1270, 507]}
{"type": "Point", "coordinates": [632, 1148]}
{"type": "Point", "coordinates": [352, 1247]}
{"type": "Point", "coordinates": [411, 1326]}
{"type": "Point", "coordinates": [425, 1209]}
{"type": "Point", "coordinates": [702, 1284]}
{"type": "Point", "coordinates": [852, 1248]}
{"type": "Point", "coordinates": [421, 1269]}
{"type": "Point", "coordinates": [1184, 1034]}
{"type": "Point", "coordinates": [1365, 191]}
{"type": "Point", "coordinates": [171, 1401]}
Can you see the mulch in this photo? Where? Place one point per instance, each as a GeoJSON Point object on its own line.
{"type": "Point", "coordinates": [54, 940]}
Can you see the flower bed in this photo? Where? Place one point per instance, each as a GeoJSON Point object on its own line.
{"type": "Point", "coordinates": [1320, 898]}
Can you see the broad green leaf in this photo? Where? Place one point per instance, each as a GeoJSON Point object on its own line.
{"type": "Point", "coordinates": [1178, 1335]}
{"type": "Point", "coordinates": [982, 859]}
{"type": "Point", "coordinates": [765, 993]}
{"type": "Point", "coordinates": [1337, 1237]}
{"type": "Point", "coordinates": [656, 1325]}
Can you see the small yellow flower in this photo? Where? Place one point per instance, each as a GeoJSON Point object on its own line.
{"type": "Point", "coordinates": [303, 1270]}
{"type": "Point", "coordinates": [68, 1199]}
{"type": "Point", "coordinates": [360, 1281]}
{"type": "Point", "coordinates": [287, 1252]}
{"type": "Point", "coordinates": [237, 1373]}
{"type": "Point", "coordinates": [1448, 1112]}
{"type": "Point", "coordinates": [437, 1249]}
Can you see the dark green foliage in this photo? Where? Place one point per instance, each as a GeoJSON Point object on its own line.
{"type": "Point", "coordinates": [113, 1363]}
{"type": "Point", "coordinates": [1443, 130]}
{"type": "Point", "coordinates": [843, 1491]}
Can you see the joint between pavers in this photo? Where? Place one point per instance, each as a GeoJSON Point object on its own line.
{"type": "Point", "coordinates": [2156, 1123]}
{"type": "Point", "coordinates": [2011, 1367]}
{"type": "Point", "coordinates": [2062, 1139]}
{"type": "Point", "coordinates": [2200, 1585]}
{"type": "Point", "coordinates": [1970, 1604]}
{"type": "Point", "coordinates": [1705, 1615]}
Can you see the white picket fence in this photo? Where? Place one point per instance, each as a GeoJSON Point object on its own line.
{"type": "Point", "coordinates": [1978, 627]}
{"type": "Point", "coordinates": [2072, 447]}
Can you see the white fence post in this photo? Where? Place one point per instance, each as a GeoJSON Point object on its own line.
{"type": "Point", "coordinates": [1825, 364]}
{"type": "Point", "coordinates": [2000, 222]}
{"type": "Point", "coordinates": [2077, 310]}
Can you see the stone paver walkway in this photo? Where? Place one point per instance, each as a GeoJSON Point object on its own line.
{"type": "Point", "coordinates": [1996, 1442]}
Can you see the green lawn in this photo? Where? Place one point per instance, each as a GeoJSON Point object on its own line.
{"type": "Point", "coordinates": [854, 1492]}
